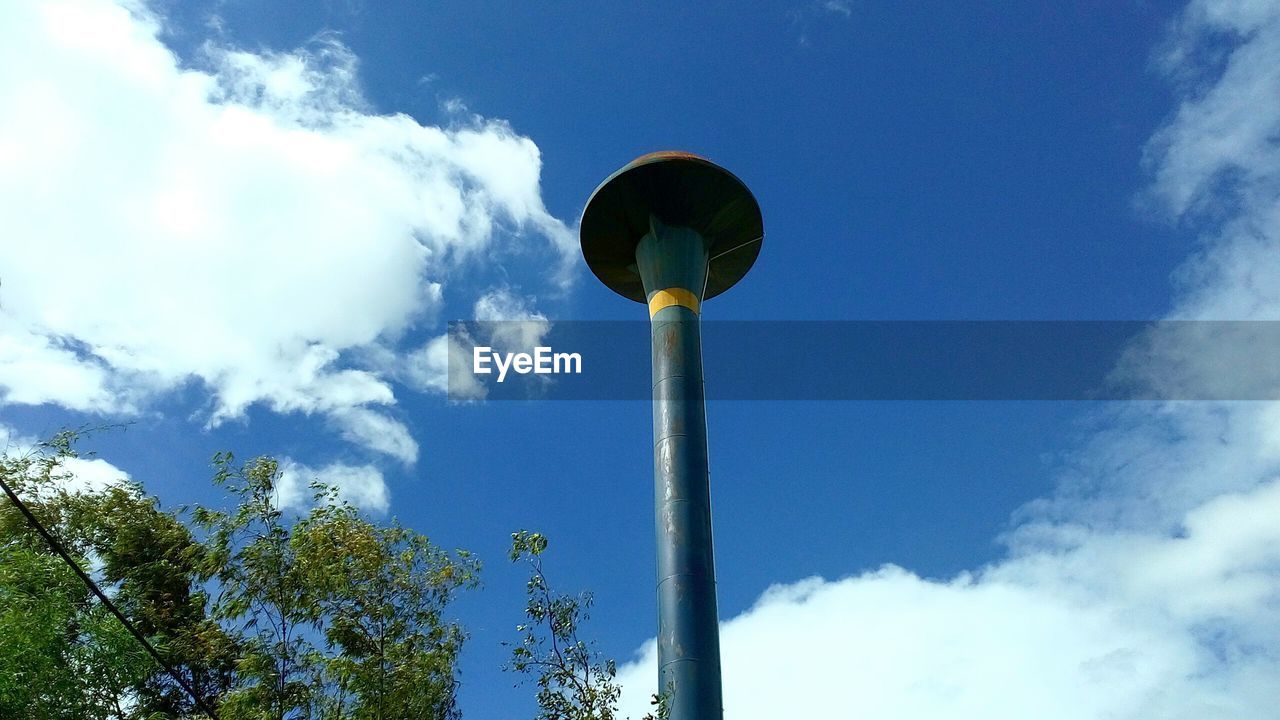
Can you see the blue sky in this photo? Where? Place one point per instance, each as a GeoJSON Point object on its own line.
{"type": "Point", "coordinates": [243, 226]}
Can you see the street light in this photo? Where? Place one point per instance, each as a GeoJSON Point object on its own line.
{"type": "Point", "coordinates": [671, 229]}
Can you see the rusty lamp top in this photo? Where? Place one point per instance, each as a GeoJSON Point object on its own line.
{"type": "Point", "coordinates": [679, 189]}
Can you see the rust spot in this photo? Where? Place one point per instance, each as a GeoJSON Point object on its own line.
{"type": "Point", "coordinates": [665, 155]}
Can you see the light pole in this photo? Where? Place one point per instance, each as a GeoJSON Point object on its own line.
{"type": "Point", "coordinates": [672, 229]}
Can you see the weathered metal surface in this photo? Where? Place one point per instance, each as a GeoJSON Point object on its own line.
{"type": "Point", "coordinates": [679, 189]}
{"type": "Point", "coordinates": [675, 259]}
{"type": "Point", "coordinates": [672, 230]}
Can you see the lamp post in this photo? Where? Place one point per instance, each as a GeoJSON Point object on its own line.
{"type": "Point", "coordinates": [671, 230]}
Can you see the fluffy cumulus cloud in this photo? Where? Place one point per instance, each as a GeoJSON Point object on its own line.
{"type": "Point", "coordinates": [360, 485]}
{"type": "Point", "coordinates": [505, 321]}
{"type": "Point", "coordinates": [1148, 585]}
{"type": "Point", "coordinates": [90, 475]}
{"type": "Point", "coordinates": [240, 222]}
{"type": "Point", "coordinates": [77, 475]}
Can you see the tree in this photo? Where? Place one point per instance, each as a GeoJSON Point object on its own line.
{"type": "Point", "coordinates": [382, 592]}
{"type": "Point", "coordinates": [338, 618]}
{"type": "Point", "coordinates": [265, 614]}
{"type": "Point", "coordinates": [152, 559]}
{"type": "Point", "coordinates": [574, 681]}
{"type": "Point", "coordinates": [62, 653]}
{"type": "Point", "coordinates": [61, 656]}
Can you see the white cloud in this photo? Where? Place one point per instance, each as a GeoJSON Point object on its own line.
{"type": "Point", "coordinates": [254, 226]}
{"type": "Point", "coordinates": [77, 475]}
{"type": "Point", "coordinates": [361, 485]}
{"type": "Point", "coordinates": [443, 363]}
{"type": "Point", "coordinates": [510, 323]}
{"type": "Point", "coordinates": [1148, 585]}
{"type": "Point", "coordinates": [1219, 157]}
{"type": "Point", "coordinates": [14, 443]}
{"type": "Point", "coordinates": [1119, 615]}
{"type": "Point", "coordinates": [34, 369]}
{"type": "Point", "coordinates": [90, 475]}
{"type": "Point", "coordinates": [377, 431]}
{"type": "Point", "coordinates": [503, 304]}
{"type": "Point", "coordinates": [838, 7]}
{"type": "Point", "coordinates": [427, 367]}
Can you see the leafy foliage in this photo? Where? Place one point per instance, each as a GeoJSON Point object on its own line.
{"type": "Point", "coordinates": [62, 655]}
{"type": "Point", "coordinates": [339, 618]}
{"type": "Point", "coordinates": [268, 615]}
{"type": "Point", "coordinates": [574, 681]}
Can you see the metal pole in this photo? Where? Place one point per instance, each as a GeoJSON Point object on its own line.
{"type": "Point", "coordinates": [672, 229]}
{"type": "Point", "coordinates": [673, 267]}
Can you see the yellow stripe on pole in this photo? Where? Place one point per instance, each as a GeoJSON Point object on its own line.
{"type": "Point", "coordinates": [672, 296]}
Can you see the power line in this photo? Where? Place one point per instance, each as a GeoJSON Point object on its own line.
{"type": "Point", "coordinates": [93, 586]}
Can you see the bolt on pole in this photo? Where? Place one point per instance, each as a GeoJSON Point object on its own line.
{"type": "Point", "coordinates": [671, 230]}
